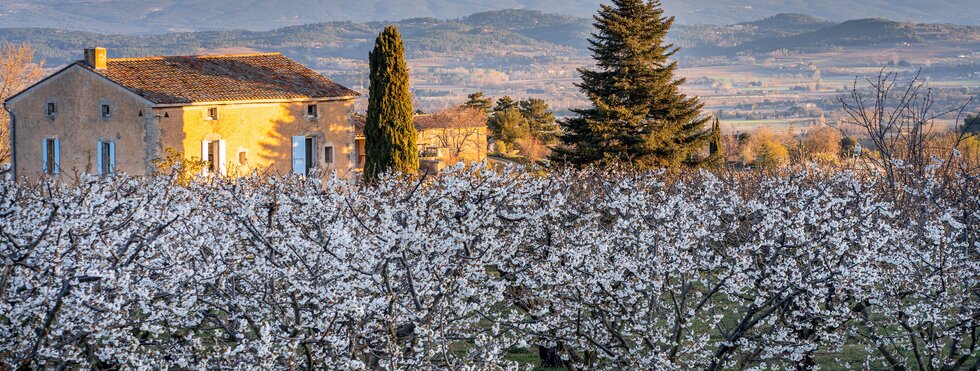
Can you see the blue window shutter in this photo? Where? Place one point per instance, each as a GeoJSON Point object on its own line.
{"type": "Point", "coordinates": [112, 157]}
{"type": "Point", "coordinates": [98, 157]}
{"type": "Point", "coordinates": [44, 156]}
{"type": "Point", "coordinates": [57, 156]}
{"type": "Point", "coordinates": [299, 155]}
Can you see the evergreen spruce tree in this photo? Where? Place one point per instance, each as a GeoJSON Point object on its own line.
{"type": "Point", "coordinates": [638, 115]}
{"type": "Point", "coordinates": [389, 132]}
{"type": "Point", "coordinates": [715, 155]}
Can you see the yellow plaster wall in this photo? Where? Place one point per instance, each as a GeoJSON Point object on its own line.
{"type": "Point", "coordinates": [473, 147]}
{"type": "Point", "coordinates": [263, 131]}
{"type": "Point", "coordinates": [79, 124]}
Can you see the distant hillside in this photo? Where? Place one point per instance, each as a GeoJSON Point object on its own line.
{"type": "Point", "coordinates": [787, 24]}
{"type": "Point", "coordinates": [482, 33]}
{"type": "Point", "coordinates": [499, 39]}
{"type": "Point", "coordinates": [798, 32]}
{"type": "Point", "coordinates": [558, 29]}
{"type": "Point", "coordinates": [706, 39]}
{"type": "Point", "coordinates": [863, 33]}
{"type": "Point", "coordinates": [160, 16]}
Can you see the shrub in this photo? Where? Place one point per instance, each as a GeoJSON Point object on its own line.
{"type": "Point", "coordinates": [770, 154]}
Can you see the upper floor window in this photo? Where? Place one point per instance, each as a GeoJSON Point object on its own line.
{"type": "Point", "coordinates": [212, 113]}
{"type": "Point", "coordinates": [106, 111]}
{"type": "Point", "coordinates": [51, 109]}
{"type": "Point", "coordinates": [311, 110]}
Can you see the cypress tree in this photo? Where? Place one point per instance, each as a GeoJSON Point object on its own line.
{"type": "Point", "coordinates": [715, 156]}
{"type": "Point", "coordinates": [389, 131]}
{"type": "Point", "coordinates": [638, 115]}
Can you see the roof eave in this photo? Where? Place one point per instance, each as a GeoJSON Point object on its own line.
{"type": "Point", "coordinates": [255, 101]}
{"type": "Point", "coordinates": [81, 65]}
{"type": "Point", "coordinates": [39, 82]}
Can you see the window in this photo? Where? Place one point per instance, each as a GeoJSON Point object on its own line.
{"type": "Point", "coordinates": [213, 155]}
{"type": "Point", "coordinates": [242, 158]}
{"type": "Point", "coordinates": [106, 157]}
{"type": "Point", "coordinates": [51, 161]}
{"type": "Point", "coordinates": [212, 113]}
{"type": "Point", "coordinates": [303, 154]}
{"type": "Point", "coordinates": [52, 109]}
{"type": "Point", "coordinates": [106, 111]}
{"type": "Point", "coordinates": [361, 155]}
{"type": "Point", "coordinates": [311, 110]}
{"type": "Point", "coordinates": [328, 154]}
{"type": "Point", "coordinates": [309, 155]}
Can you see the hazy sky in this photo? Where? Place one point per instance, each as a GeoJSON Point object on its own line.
{"type": "Point", "coordinates": [141, 16]}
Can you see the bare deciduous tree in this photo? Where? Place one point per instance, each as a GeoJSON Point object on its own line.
{"type": "Point", "coordinates": [899, 119]}
{"type": "Point", "coordinates": [461, 131]}
{"type": "Point", "coordinates": [18, 69]}
{"type": "Point", "coordinates": [821, 145]}
{"type": "Point", "coordinates": [533, 149]}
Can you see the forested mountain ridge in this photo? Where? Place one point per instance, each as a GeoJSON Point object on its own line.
{"type": "Point", "coordinates": [520, 35]}
{"type": "Point", "coordinates": [477, 33]}
{"type": "Point", "coordinates": [864, 32]}
{"type": "Point", "coordinates": [798, 32]}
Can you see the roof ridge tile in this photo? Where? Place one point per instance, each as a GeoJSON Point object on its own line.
{"type": "Point", "coordinates": [159, 57]}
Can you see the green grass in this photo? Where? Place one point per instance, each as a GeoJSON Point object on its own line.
{"type": "Point", "coordinates": [853, 354]}
{"type": "Point", "coordinates": [526, 356]}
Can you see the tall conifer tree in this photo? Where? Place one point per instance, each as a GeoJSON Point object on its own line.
{"type": "Point", "coordinates": [638, 115]}
{"type": "Point", "coordinates": [389, 132]}
{"type": "Point", "coordinates": [715, 155]}
{"type": "Point", "coordinates": [478, 101]}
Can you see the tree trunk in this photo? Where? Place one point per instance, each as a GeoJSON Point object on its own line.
{"type": "Point", "coordinates": [549, 357]}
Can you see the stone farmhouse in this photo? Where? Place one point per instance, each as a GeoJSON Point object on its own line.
{"type": "Point", "coordinates": [238, 113]}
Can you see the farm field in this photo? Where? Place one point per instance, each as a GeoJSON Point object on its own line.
{"type": "Point", "coordinates": [782, 91]}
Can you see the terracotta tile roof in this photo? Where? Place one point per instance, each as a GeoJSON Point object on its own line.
{"type": "Point", "coordinates": [219, 78]}
{"type": "Point", "coordinates": [429, 121]}
{"type": "Point", "coordinates": [359, 122]}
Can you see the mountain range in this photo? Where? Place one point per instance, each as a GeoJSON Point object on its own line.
{"type": "Point", "coordinates": [498, 39]}
{"type": "Point", "coordinates": [160, 16]}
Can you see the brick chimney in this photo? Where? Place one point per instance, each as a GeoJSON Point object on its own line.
{"type": "Point", "coordinates": [95, 58]}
